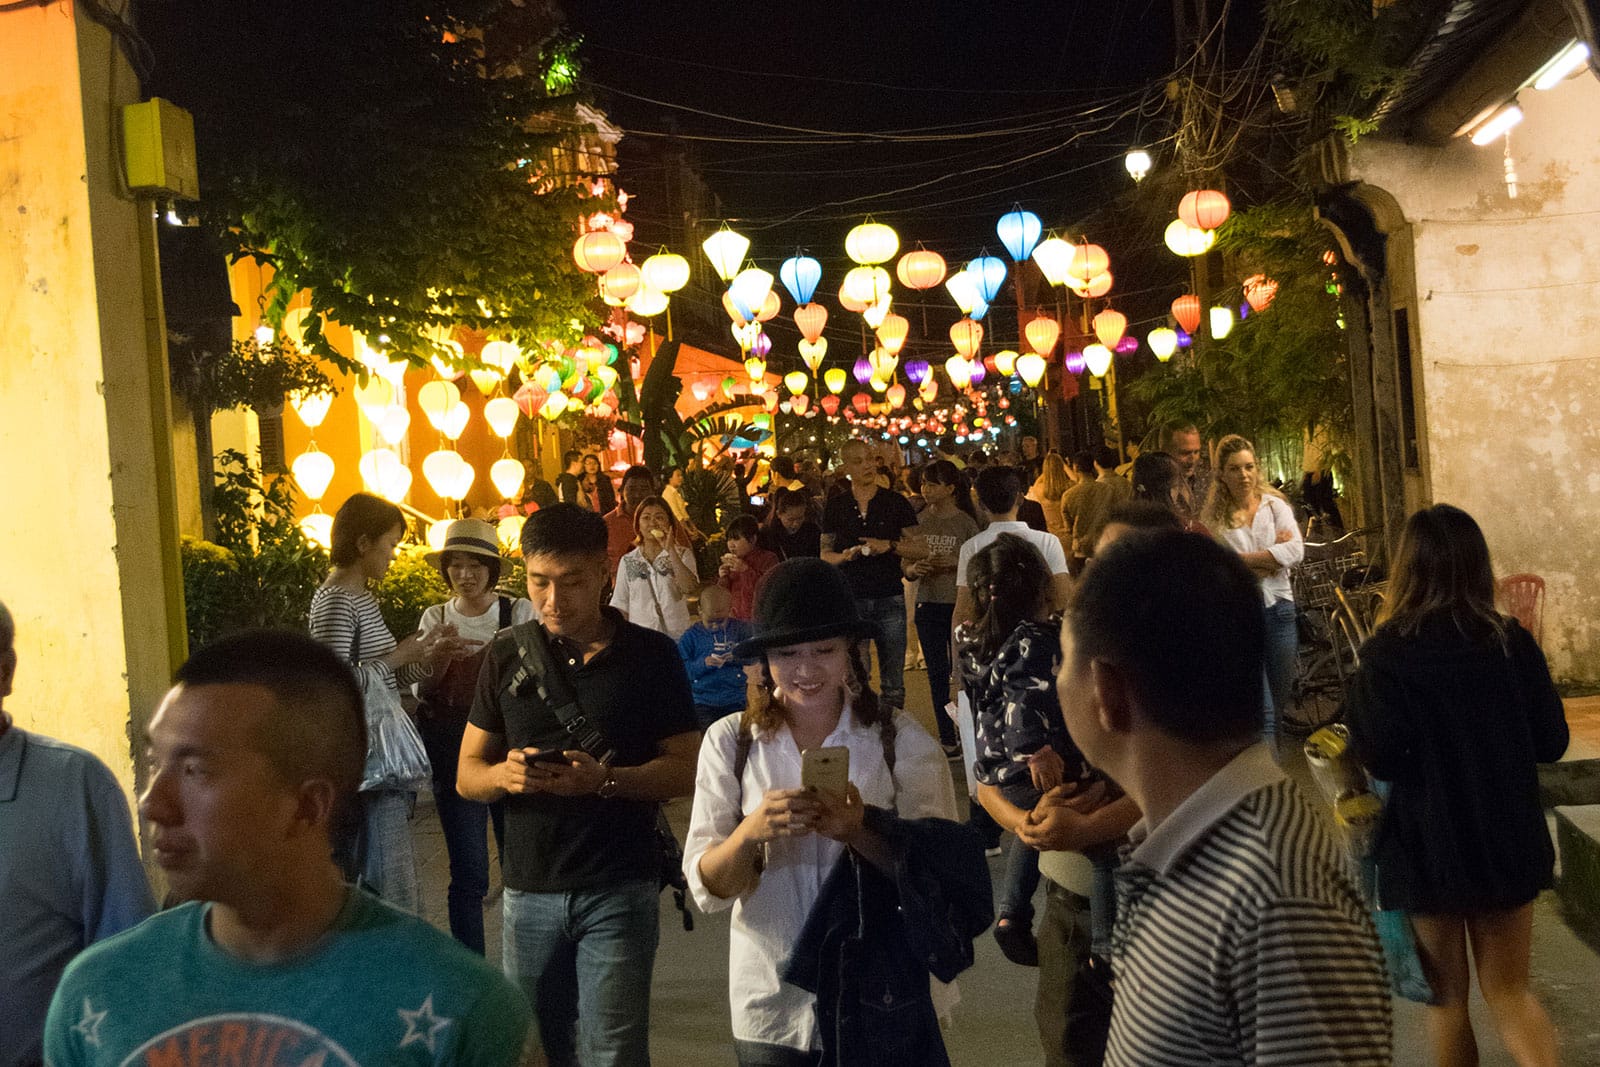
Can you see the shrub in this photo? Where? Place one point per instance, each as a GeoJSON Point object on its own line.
{"type": "Point", "coordinates": [410, 587]}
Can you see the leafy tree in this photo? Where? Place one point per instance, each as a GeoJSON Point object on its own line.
{"type": "Point", "coordinates": [394, 159]}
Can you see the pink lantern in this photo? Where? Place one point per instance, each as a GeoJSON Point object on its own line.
{"type": "Point", "coordinates": [1204, 209]}
{"type": "Point", "coordinates": [811, 318]}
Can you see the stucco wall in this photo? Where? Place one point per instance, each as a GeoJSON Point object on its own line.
{"type": "Point", "coordinates": [1507, 297]}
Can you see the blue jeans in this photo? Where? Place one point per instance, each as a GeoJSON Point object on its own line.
{"type": "Point", "coordinates": [1283, 642]}
{"type": "Point", "coordinates": [933, 634]}
{"type": "Point", "coordinates": [889, 612]}
{"type": "Point", "coordinates": [1018, 884]}
{"type": "Point", "coordinates": [465, 824]}
{"type": "Point", "coordinates": [584, 959]}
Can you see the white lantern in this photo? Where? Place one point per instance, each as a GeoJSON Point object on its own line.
{"type": "Point", "coordinates": [454, 422]}
{"type": "Point", "coordinates": [510, 532]}
{"type": "Point", "coordinates": [384, 474]}
{"type": "Point", "coordinates": [318, 529]}
{"type": "Point", "coordinates": [391, 424]}
{"type": "Point", "coordinates": [438, 534]}
{"type": "Point", "coordinates": [1163, 342]}
{"type": "Point", "coordinates": [312, 472]}
{"type": "Point", "coordinates": [373, 397]}
{"type": "Point", "coordinates": [1221, 322]}
{"type": "Point", "coordinates": [501, 415]}
{"type": "Point", "coordinates": [725, 249]}
{"type": "Point", "coordinates": [501, 355]}
{"type": "Point", "coordinates": [1098, 359]}
{"type": "Point", "coordinates": [436, 399]}
{"type": "Point", "coordinates": [311, 407]}
{"type": "Point", "coordinates": [506, 474]}
{"type": "Point", "coordinates": [646, 301]}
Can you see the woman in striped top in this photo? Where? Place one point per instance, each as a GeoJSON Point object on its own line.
{"type": "Point", "coordinates": [345, 617]}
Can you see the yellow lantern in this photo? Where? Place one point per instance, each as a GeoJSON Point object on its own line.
{"type": "Point", "coordinates": [725, 249]}
{"type": "Point", "coordinates": [1097, 358]}
{"type": "Point", "coordinates": [750, 287]}
{"type": "Point", "coordinates": [383, 473]}
{"type": "Point", "coordinates": [438, 534]}
{"type": "Point", "coordinates": [619, 283]}
{"type": "Point", "coordinates": [311, 407]}
{"type": "Point", "coordinates": [796, 381]}
{"type": "Point", "coordinates": [1185, 240]}
{"type": "Point", "coordinates": [1221, 322]}
{"type": "Point", "coordinates": [501, 355]}
{"type": "Point", "coordinates": [835, 378]}
{"type": "Point", "coordinates": [509, 530]}
{"type": "Point", "coordinates": [877, 384]}
{"type": "Point", "coordinates": [1030, 366]}
{"type": "Point", "coordinates": [812, 353]}
{"type": "Point", "coordinates": [440, 469]}
{"type": "Point", "coordinates": [966, 335]}
{"type": "Point", "coordinates": [1163, 342]}
{"type": "Point", "coordinates": [312, 472]}
{"type": "Point", "coordinates": [501, 415]}
{"type": "Point", "coordinates": [646, 302]}
{"type": "Point", "coordinates": [892, 333]}
{"type": "Point", "coordinates": [756, 368]}
{"type": "Point", "coordinates": [1109, 326]}
{"type": "Point", "coordinates": [486, 381]}
{"type": "Point", "coordinates": [882, 362]}
{"type": "Point", "coordinates": [374, 396]}
{"type": "Point", "coordinates": [959, 370]}
{"type": "Point", "coordinates": [318, 529]}
{"type": "Point", "coordinates": [665, 272]}
{"type": "Point", "coordinates": [871, 242]}
{"type": "Point", "coordinates": [865, 285]}
{"type": "Point", "coordinates": [506, 474]}
{"type": "Point", "coordinates": [1005, 361]}
{"type": "Point", "coordinates": [1054, 256]}
{"type": "Point", "coordinates": [391, 424]}
{"type": "Point", "coordinates": [454, 422]}
{"type": "Point", "coordinates": [436, 399]}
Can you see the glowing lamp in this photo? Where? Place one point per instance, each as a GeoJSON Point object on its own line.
{"type": "Point", "coordinates": [312, 473]}
{"type": "Point", "coordinates": [769, 307]}
{"type": "Point", "coordinates": [1221, 322]}
{"type": "Point", "coordinates": [1088, 262]}
{"type": "Point", "coordinates": [508, 531]}
{"type": "Point", "coordinates": [920, 269]}
{"type": "Point", "coordinates": [501, 415]}
{"type": "Point", "coordinates": [989, 272]}
{"type": "Point", "coordinates": [862, 371]}
{"type": "Point", "coordinates": [746, 333]}
{"type": "Point", "coordinates": [848, 301]}
{"type": "Point", "coordinates": [866, 284]}
{"type": "Point", "coordinates": [959, 371]}
{"type": "Point", "coordinates": [1163, 342]}
{"type": "Point", "coordinates": [876, 313]}
{"type": "Point", "coordinates": [1042, 333]}
{"type": "Point", "coordinates": [598, 251]}
{"type": "Point", "coordinates": [436, 399]}
{"type": "Point", "coordinates": [966, 335]}
{"type": "Point", "coordinates": [554, 406]}
{"type": "Point", "coordinates": [701, 390]}
{"type": "Point", "coordinates": [811, 319]}
{"type": "Point", "coordinates": [871, 242]}
{"type": "Point", "coordinates": [861, 401]}
{"type": "Point", "coordinates": [383, 473]}
{"type": "Point", "coordinates": [1185, 240]}
{"type": "Point", "coordinates": [453, 423]}
{"type": "Point", "coordinates": [749, 290]}
{"type": "Point", "coordinates": [762, 345]}
{"type": "Point", "coordinates": [391, 424]}
{"type": "Point", "coordinates": [311, 407]}
{"type": "Point", "coordinates": [896, 394]}
{"type": "Point", "coordinates": [916, 370]}
{"type": "Point", "coordinates": [796, 381]}
{"type": "Point", "coordinates": [892, 332]}
{"type": "Point", "coordinates": [1138, 163]}
{"type": "Point", "coordinates": [1259, 291]}
{"type": "Point", "coordinates": [438, 534]}
{"type": "Point", "coordinates": [725, 249]}
{"type": "Point", "coordinates": [729, 384]}
{"type": "Point", "coordinates": [1074, 362]}
{"type": "Point", "coordinates": [665, 272]}
{"type": "Point", "coordinates": [501, 355]}
{"type": "Point", "coordinates": [485, 381]}
{"type": "Point", "coordinates": [877, 384]}
{"type": "Point", "coordinates": [1053, 256]}
{"type": "Point", "coordinates": [1186, 310]}
{"type": "Point", "coordinates": [619, 283]}
{"type": "Point", "coordinates": [800, 275]}
{"type": "Point", "coordinates": [977, 371]}
{"type": "Point", "coordinates": [374, 396]}
{"type": "Point", "coordinates": [1098, 359]}
{"type": "Point", "coordinates": [812, 353]}
{"type": "Point", "coordinates": [964, 290]}
{"type": "Point", "coordinates": [1204, 209]}
{"type": "Point", "coordinates": [835, 378]}
{"type": "Point", "coordinates": [1019, 232]}
{"type": "Point", "coordinates": [318, 529]}
{"type": "Point", "coordinates": [830, 404]}
{"type": "Point", "coordinates": [883, 362]}
{"type": "Point", "coordinates": [755, 368]}
{"type": "Point", "coordinates": [506, 474]}
{"type": "Point", "coordinates": [1005, 362]}
{"type": "Point", "coordinates": [799, 403]}
{"type": "Point", "coordinates": [646, 302]}
{"type": "Point", "coordinates": [1109, 326]}
{"type": "Point", "coordinates": [1094, 288]}
{"type": "Point", "coordinates": [1030, 367]}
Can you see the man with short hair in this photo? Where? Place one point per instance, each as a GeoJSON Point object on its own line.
{"type": "Point", "coordinates": [1031, 463]}
{"type": "Point", "coordinates": [638, 485]}
{"type": "Point", "coordinates": [1181, 441]}
{"type": "Point", "coordinates": [569, 483]}
{"type": "Point", "coordinates": [1104, 493]}
{"type": "Point", "coordinates": [582, 861]}
{"type": "Point", "coordinates": [69, 868]}
{"type": "Point", "coordinates": [1240, 935]}
{"type": "Point", "coordinates": [861, 532]}
{"type": "Point", "coordinates": [999, 491]}
{"type": "Point", "coordinates": [255, 754]}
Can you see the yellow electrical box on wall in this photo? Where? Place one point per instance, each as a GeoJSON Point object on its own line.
{"type": "Point", "coordinates": [158, 150]}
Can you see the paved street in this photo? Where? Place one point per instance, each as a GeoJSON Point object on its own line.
{"type": "Point", "coordinates": [994, 1022]}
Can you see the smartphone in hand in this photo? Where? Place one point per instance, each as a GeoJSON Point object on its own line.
{"type": "Point", "coordinates": [827, 770]}
{"type": "Point", "coordinates": [545, 755]}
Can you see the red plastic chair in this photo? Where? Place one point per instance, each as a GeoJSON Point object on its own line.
{"type": "Point", "coordinates": [1523, 596]}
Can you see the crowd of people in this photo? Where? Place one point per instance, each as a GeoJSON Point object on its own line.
{"type": "Point", "coordinates": [1115, 641]}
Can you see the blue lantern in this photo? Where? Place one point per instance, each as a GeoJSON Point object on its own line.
{"type": "Point", "coordinates": [800, 275]}
{"type": "Point", "coordinates": [979, 310]}
{"type": "Point", "coordinates": [989, 272]}
{"type": "Point", "coordinates": [1019, 231]}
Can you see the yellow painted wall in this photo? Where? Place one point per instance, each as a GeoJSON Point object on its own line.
{"type": "Point", "coordinates": [89, 545]}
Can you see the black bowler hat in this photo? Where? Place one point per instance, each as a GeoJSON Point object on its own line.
{"type": "Point", "coordinates": [800, 600]}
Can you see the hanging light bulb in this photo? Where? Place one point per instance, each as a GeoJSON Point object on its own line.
{"type": "Point", "coordinates": [312, 472]}
{"type": "Point", "coordinates": [1163, 342]}
{"type": "Point", "coordinates": [1097, 358]}
{"type": "Point", "coordinates": [726, 250]}
{"type": "Point", "coordinates": [1138, 163]}
{"type": "Point", "coordinates": [507, 474]}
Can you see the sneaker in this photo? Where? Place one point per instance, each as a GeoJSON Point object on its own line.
{"type": "Point", "coordinates": [1017, 942]}
{"type": "Point", "coordinates": [953, 751]}
{"type": "Point", "coordinates": [992, 851]}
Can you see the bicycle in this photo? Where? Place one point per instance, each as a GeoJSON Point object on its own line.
{"type": "Point", "coordinates": [1335, 594]}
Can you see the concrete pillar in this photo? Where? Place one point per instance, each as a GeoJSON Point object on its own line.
{"type": "Point", "coordinates": [91, 568]}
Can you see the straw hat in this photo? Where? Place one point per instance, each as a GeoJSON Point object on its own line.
{"type": "Point", "coordinates": [473, 536]}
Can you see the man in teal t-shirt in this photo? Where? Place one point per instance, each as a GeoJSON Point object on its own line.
{"type": "Point", "coordinates": [275, 960]}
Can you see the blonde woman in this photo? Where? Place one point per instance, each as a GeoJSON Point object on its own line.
{"type": "Point", "coordinates": [1254, 519]}
{"type": "Point", "coordinates": [1048, 489]}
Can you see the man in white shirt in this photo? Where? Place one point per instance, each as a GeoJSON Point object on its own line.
{"type": "Point", "coordinates": [999, 491]}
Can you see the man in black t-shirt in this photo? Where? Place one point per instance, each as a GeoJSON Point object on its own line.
{"type": "Point", "coordinates": [861, 530]}
{"type": "Point", "coordinates": [569, 490]}
{"type": "Point", "coordinates": [581, 862]}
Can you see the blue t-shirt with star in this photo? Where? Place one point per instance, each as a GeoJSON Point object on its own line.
{"type": "Point", "coordinates": [382, 987]}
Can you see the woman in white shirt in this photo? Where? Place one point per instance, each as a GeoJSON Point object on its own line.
{"type": "Point", "coordinates": [1257, 522]}
{"type": "Point", "coordinates": [760, 843]}
{"type": "Point", "coordinates": [655, 580]}
{"type": "Point", "coordinates": [470, 565]}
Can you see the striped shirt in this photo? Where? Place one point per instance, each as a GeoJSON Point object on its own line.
{"type": "Point", "coordinates": [352, 625]}
{"type": "Point", "coordinates": [1241, 937]}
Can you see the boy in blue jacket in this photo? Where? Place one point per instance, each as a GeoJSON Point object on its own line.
{"type": "Point", "coordinates": [717, 678]}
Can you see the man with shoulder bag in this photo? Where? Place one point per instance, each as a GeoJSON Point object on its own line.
{"type": "Point", "coordinates": [559, 732]}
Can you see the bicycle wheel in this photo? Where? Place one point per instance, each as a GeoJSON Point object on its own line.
{"type": "Point", "coordinates": [1312, 708]}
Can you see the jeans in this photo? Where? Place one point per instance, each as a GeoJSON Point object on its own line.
{"type": "Point", "coordinates": [933, 634]}
{"type": "Point", "coordinates": [465, 824]}
{"type": "Point", "coordinates": [1018, 884]}
{"type": "Point", "coordinates": [1073, 1005]}
{"type": "Point", "coordinates": [889, 612]}
{"type": "Point", "coordinates": [584, 959]}
{"type": "Point", "coordinates": [386, 853]}
{"type": "Point", "coordinates": [1283, 642]}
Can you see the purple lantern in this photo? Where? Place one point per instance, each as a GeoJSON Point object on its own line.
{"type": "Point", "coordinates": [862, 371]}
{"type": "Point", "coordinates": [1244, 311]}
{"type": "Point", "coordinates": [1184, 340]}
{"type": "Point", "coordinates": [1124, 346]}
{"type": "Point", "coordinates": [979, 372]}
{"type": "Point", "coordinates": [1076, 363]}
{"type": "Point", "coordinates": [762, 345]}
{"type": "Point", "coordinates": [916, 370]}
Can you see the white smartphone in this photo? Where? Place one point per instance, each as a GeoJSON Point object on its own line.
{"type": "Point", "coordinates": [826, 770]}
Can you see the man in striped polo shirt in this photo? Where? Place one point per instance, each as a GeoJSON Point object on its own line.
{"type": "Point", "coordinates": [1240, 935]}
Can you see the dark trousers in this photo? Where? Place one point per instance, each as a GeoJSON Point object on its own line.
{"type": "Point", "coordinates": [933, 634]}
{"type": "Point", "coordinates": [466, 826]}
{"type": "Point", "coordinates": [1073, 1005]}
{"type": "Point", "coordinates": [760, 1054]}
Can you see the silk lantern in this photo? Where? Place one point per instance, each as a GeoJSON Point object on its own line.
{"type": "Point", "coordinates": [800, 275]}
{"type": "Point", "coordinates": [1031, 367]}
{"type": "Point", "coordinates": [1042, 333]}
{"type": "Point", "coordinates": [1204, 209]}
{"type": "Point", "coordinates": [1098, 359]}
{"type": "Point", "coordinates": [665, 272]}
{"type": "Point", "coordinates": [920, 269]}
{"type": "Point", "coordinates": [812, 353]}
{"type": "Point", "coordinates": [1221, 322]}
{"type": "Point", "coordinates": [835, 379]}
{"type": "Point", "coordinates": [725, 249]}
{"type": "Point", "coordinates": [1053, 256]}
{"type": "Point", "coordinates": [892, 332]}
{"type": "Point", "coordinates": [1259, 291]}
{"type": "Point", "coordinates": [1094, 288]}
{"type": "Point", "coordinates": [989, 272]}
{"type": "Point", "coordinates": [312, 472]}
{"type": "Point", "coordinates": [619, 283]}
{"type": "Point", "coordinates": [1109, 326]}
{"type": "Point", "coordinates": [811, 319]}
{"type": "Point", "coordinates": [598, 251]}
{"type": "Point", "coordinates": [1089, 261]}
{"type": "Point", "coordinates": [963, 289]}
{"type": "Point", "coordinates": [1163, 342]}
{"type": "Point", "coordinates": [507, 474]}
{"type": "Point", "coordinates": [966, 335]}
{"type": "Point", "coordinates": [1005, 361]}
{"type": "Point", "coordinates": [1019, 232]}
{"type": "Point", "coordinates": [796, 381]}
{"type": "Point", "coordinates": [871, 242]}
{"type": "Point", "coordinates": [501, 415]}
{"type": "Point", "coordinates": [1186, 310]}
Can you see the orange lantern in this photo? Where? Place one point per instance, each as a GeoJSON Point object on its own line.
{"type": "Point", "coordinates": [1204, 209]}
{"type": "Point", "coordinates": [1042, 334]}
{"type": "Point", "coordinates": [1094, 288]}
{"type": "Point", "coordinates": [811, 318]}
{"type": "Point", "coordinates": [598, 251]}
{"type": "Point", "coordinates": [920, 269]}
{"type": "Point", "coordinates": [1088, 262]}
{"type": "Point", "coordinates": [769, 307]}
{"type": "Point", "coordinates": [850, 303]}
{"type": "Point", "coordinates": [966, 335]}
{"type": "Point", "coordinates": [1186, 309]}
{"type": "Point", "coordinates": [830, 404]}
{"type": "Point", "coordinates": [798, 403]}
{"type": "Point", "coordinates": [1109, 326]}
{"type": "Point", "coordinates": [733, 310]}
{"type": "Point", "coordinates": [861, 401]}
{"type": "Point", "coordinates": [896, 394]}
{"type": "Point", "coordinates": [892, 332]}
{"type": "Point", "coordinates": [1259, 291]}
{"type": "Point", "coordinates": [620, 282]}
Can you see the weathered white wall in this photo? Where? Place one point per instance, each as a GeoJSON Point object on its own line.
{"type": "Point", "coordinates": [1508, 333]}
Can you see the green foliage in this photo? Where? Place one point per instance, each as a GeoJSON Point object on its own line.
{"type": "Point", "coordinates": [712, 497]}
{"type": "Point", "coordinates": [395, 160]}
{"type": "Point", "coordinates": [210, 590]}
{"type": "Point", "coordinates": [247, 374]}
{"type": "Point", "coordinates": [411, 585]}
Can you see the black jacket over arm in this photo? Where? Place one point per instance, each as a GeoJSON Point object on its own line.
{"type": "Point", "coordinates": [1458, 724]}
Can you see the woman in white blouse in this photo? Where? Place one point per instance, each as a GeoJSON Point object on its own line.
{"type": "Point", "coordinates": [655, 580]}
{"type": "Point", "coordinates": [1257, 522]}
{"type": "Point", "coordinates": [761, 844]}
